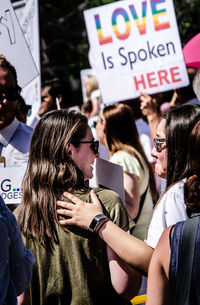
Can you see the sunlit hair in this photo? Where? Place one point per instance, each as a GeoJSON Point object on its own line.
{"type": "Point", "coordinates": [50, 172]}
{"type": "Point", "coordinates": [6, 65]}
{"type": "Point", "coordinates": [122, 134]}
{"type": "Point", "coordinates": [192, 172]}
{"type": "Point", "coordinates": [91, 84]}
{"type": "Point", "coordinates": [179, 124]}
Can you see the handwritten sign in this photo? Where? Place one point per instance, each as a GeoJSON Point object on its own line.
{"type": "Point", "coordinates": [13, 45]}
{"type": "Point", "coordinates": [29, 22]}
{"type": "Point", "coordinates": [136, 46]}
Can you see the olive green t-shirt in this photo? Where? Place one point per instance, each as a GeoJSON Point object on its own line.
{"type": "Point", "coordinates": [76, 272]}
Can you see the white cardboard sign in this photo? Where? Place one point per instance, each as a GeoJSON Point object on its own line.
{"type": "Point", "coordinates": [136, 46]}
{"type": "Point", "coordinates": [13, 45]}
{"type": "Point", "coordinates": [109, 175]}
{"type": "Point", "coordinates": [10, 184]}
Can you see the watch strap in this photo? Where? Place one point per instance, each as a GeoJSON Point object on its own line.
{"type": "Point", "coordinates": [95, 222]}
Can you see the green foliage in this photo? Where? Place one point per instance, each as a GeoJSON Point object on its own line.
{"type": "Point", "coordinates": [65, 23]}
{"type": "Point", "coordinates": [95, 3]}
{"type": "Point", "coordinates": [188, 18]}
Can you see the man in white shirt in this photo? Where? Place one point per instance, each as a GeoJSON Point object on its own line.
{"type": "Point", "coordinates": [54, 95]}
{"type": "Point", "coordinates": [14, 135]}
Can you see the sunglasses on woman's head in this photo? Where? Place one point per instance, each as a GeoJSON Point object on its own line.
{"type": "Point", "coordinates": [158, 144]}
{"type": "Point", "coordinates": [94, 145]}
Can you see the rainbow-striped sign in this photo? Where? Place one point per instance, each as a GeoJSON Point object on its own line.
{"type": "Point", "coordinates": [136, 46]}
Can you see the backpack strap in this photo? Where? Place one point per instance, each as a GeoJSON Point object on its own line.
{"type": "Point", "coordinates": [185, 261]}
{"type": "Point", "coordinates": [142, 199]}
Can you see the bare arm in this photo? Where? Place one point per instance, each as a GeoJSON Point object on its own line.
{"type": "Point", "coordinates": [132, 196]}
{"type": "Point", "coordinates": [132, 250]}
{"type": "Point", "coordinates": [125, 280]}
{"type": "Point", "coordinates": [95, 106]}
{"type": "Point", "coordinates": [158, 288]}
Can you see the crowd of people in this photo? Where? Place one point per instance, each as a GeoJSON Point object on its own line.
{"type": "Point", "coordinates": [66, 243]}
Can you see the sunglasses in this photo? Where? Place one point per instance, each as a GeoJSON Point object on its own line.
{"type": "Point", "coordinates": [94, 145]}
{"type": "Point", "coordinates": [11, 94]}
{"type": "Point", "coordinates": [158, 144]}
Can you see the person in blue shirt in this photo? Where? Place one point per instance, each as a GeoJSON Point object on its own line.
{"type": "Point", "coordinates": [14, 135]}
{"type": "Point", "coordinates": [16, 262]}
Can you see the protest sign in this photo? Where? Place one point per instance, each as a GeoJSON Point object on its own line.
{"type": "Point", "coordinates": [10, 184]}
{"type": "Point", "coordinates": [136, 46]}
{"type": "Point", "coordinates": [13, 45]}
{"type": "Point", "coordinates": [108, 175]}
{"type": "Point", "coordinates": [27, 14]}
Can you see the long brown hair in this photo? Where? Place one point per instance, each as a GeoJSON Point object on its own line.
{"type": "Point", "coordinates": [192, 173]}
{"type": "Point", "coordinates": [121, 134]}
{"type": "Point", "coordinates": [50, 172]}
{"type": "Point", "coordinates": [180, 121]}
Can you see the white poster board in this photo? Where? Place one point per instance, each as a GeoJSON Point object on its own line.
{"type": "Point", "coordinates": [10, 184]}
{"type": "Point", "coordinates": [105, 173]}
{"type": "Point", "coordinates": [136, 46]}
{"type": "Point", "coordinates": [109, 175]}
{"type": "Point", "coordinates": [13, 45]}
{"type": "Point", "coordinates": [28, 16]}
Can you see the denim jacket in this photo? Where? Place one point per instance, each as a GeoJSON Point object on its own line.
{"type": "Point", "coordinates": [16, 262]}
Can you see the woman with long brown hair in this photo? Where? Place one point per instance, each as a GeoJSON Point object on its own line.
{"type": "Point", "coordinates": [73, 266]}
{"type": "Point", "coordinates": [168, 262]}
{"type": "Point", "coordinates": [116, 129]}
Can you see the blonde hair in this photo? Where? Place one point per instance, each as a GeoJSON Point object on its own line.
{"type": "Point", "coordinates": [91, 84]}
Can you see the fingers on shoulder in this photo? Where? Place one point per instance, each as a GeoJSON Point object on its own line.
{"type": "Point", "coordinates": [94, 197]}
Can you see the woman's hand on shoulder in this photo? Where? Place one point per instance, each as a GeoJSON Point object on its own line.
{"type": "Point", "coordinates": [80, 213]}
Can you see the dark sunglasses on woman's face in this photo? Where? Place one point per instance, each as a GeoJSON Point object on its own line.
{"type": "Point", "coordinates": [11, 94]}
{"type": "Point", "coordinates": [94, 145]}
{"type": "Point", "coordinates": [158, 144]}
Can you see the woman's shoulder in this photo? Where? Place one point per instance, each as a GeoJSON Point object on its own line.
{"type": "Point", "coordinates": [115, 208]}
{"type": "Point", "coordinates": [176, 189]}
{"type": "Point", "coordinates": [178, 185]}
{"type": "Point", "coordinates": [172, 197]}
{"type": "Point", "coordinates": [100, 191]}
{"type": "Point", "coordinates": [173, 204]}
{"type": "Point", "coordinates": [125, 159]}
{"type": "Point", "coordinates": [135, 156]}
{"type": "Point", "coordinates": [121, 154]}
{"type": "Point", "coordinates": [107, 194]}
{"type": "Point", "coordinates": [110, 200]}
